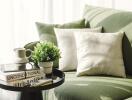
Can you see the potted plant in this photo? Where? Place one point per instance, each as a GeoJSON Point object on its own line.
{"type": "Point", "coordinates": [44, 54]}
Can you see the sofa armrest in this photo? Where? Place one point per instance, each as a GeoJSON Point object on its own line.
{"type": "Point", "coordinates": [31, 45]}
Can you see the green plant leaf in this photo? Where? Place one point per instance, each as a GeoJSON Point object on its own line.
{"type": "Point", "coordinates": [44, 52]}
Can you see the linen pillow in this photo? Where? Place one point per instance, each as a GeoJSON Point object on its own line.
{"type": "Point", "coordinates": [99, 53]}
{"type": "Point", "coordinates": [67, 46]}
{"type": "Point", "coordinates": [46, 31]}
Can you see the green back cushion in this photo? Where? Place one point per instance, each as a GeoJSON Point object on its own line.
{"type": "Point", "coordinates": [46, 31]}
{"type": "Point", "coordinates": [112, 21]}
{"type": "Point", "coordinates": [128, 30]}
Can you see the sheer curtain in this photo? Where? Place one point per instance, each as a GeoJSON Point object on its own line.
{"type": "Point", "coordinates": [17, 22]}
{"type": "Point", "coordinates": [69, 10]}
{"type": "Point", "coordinates": [18, 17]}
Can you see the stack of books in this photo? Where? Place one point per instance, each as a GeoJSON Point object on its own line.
{"type": "Point", "coordinates": [31, 77]}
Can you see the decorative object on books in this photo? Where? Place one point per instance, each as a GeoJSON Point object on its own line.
{"type": "Point", "coordinates": [20, 55]}
{"type": "Point", "coordinates": [21, 58]}
{"type": "Point", "coordinates": [14, 67]}
{"type": "Point", "coordinates": [44, 54]}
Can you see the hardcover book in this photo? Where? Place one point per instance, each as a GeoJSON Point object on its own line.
{"type": "Point", "coordinates": [27, 81]}
{"type": "Point", "coordinates": [12, 76]}
{"type": "Point", "coordinates": [34, 72]}
{"type": "Point", "coordinates": [42, 82]}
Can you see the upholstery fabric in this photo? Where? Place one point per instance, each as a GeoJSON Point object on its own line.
{"type": "Point", "coordinates": [99, 53]}
{"type": "Point", "coordinates": [46, 31]}
{"type": "Point", "coordinates": [127, 49]}
{"type": "Point", "coordinates": [128, 30]}
{"type": "Point", "coordinates": [94, 88]}
{"type": "Point", "coordinates": [67, 46]}
{"type": "Point", "coordinates": [112, 21]}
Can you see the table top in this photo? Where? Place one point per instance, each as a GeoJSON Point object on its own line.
{"type": "Point", "coordinates": [58, 79]}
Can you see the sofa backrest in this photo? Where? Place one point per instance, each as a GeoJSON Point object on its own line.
{"type": "Point", "coordinates": [112, 21]}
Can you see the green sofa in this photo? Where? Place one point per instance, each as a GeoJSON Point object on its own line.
{"type": "Point", "coordinates": [102, 87]}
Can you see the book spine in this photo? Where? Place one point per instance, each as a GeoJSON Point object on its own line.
{"type": "Point", "coordinates": [32, 73]}
{"type": "Point", "coordinates": [20, 75]}
{"type": "Point", "coordinates": [26, 82]}
{"type": "Point", "coordinates": [15, 76]}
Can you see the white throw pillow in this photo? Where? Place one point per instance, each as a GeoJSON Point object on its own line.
{"type": "Point", "coordinates": [67, 46]}
{"type": "Point", "coordinates": [99, 53]}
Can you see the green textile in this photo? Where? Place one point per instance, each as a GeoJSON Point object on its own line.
{"type": "Point", "coordinates": [94, 88]}
{"type": "Point", "coordinates": [112, 21]}
{"type": "Point", "coordinates": [46, 31]}
{"type": "Point", "coordinates": [127, 49]}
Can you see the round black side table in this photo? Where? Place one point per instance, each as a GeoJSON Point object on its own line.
{"type": "Point", "coordinates": [35, 93]}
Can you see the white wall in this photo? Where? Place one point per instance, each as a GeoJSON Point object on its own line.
{"type": "Point", "coordinates": [123, 4]}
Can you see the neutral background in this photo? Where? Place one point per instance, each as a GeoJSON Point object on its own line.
{"type": "Point", "coordinates": [18, 17]}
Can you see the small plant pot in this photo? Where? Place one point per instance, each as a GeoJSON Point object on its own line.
{"type": "Point", "coordinates": [46, 67]}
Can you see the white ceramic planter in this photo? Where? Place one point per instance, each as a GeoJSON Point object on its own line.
{"type": "Point", "coordinates": [46, 67]}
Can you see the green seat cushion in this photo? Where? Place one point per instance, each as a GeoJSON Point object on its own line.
{"type": "Point", "coordinates": [94, 88]}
